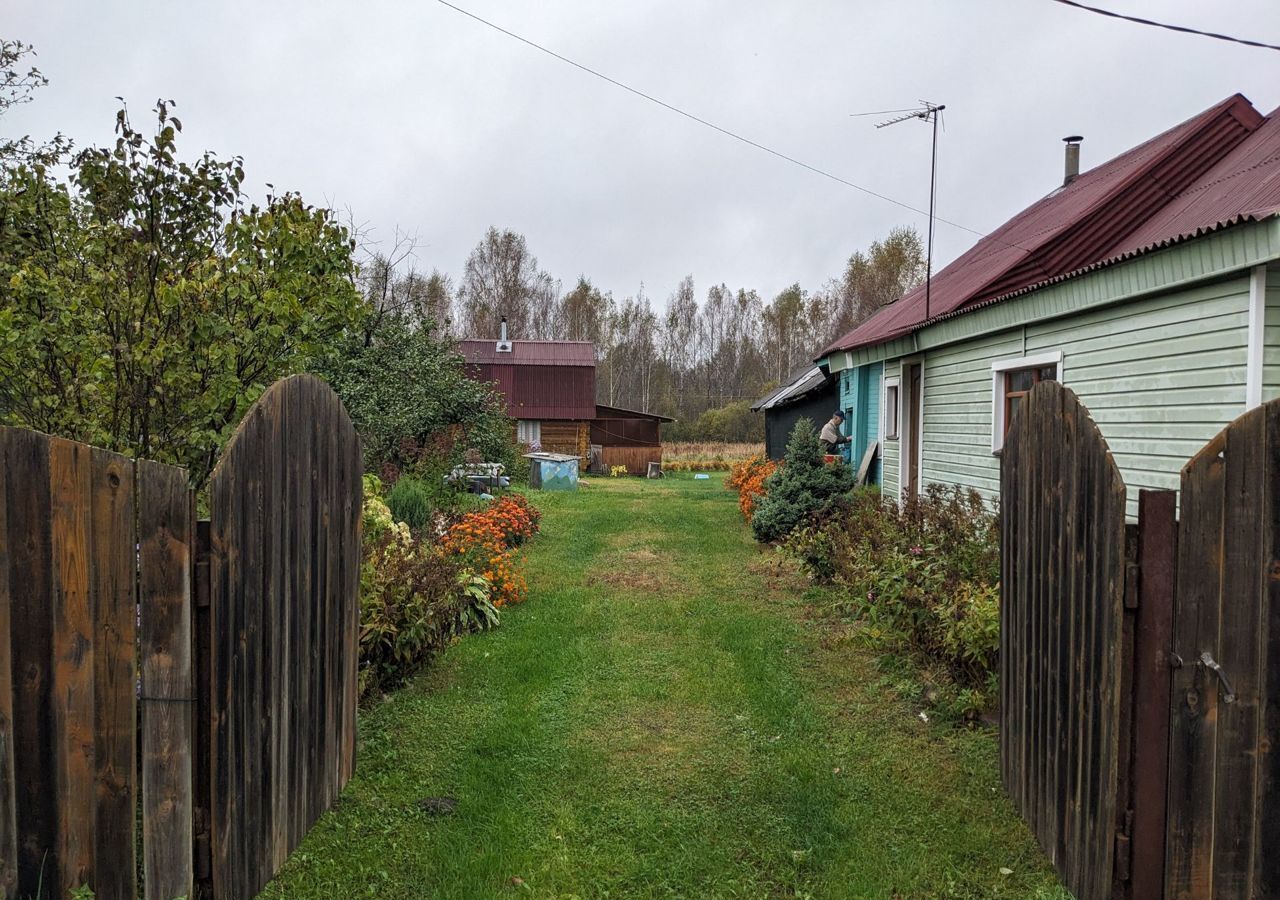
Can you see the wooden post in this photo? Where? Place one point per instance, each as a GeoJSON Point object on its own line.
{"type": "Point", "coordinates": [1153, 640]}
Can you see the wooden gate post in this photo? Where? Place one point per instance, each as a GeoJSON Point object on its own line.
{"type": "Point", "coordinates": [1153, 640]}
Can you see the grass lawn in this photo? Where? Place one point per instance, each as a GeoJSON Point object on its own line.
{"type": "Point", "coordinates": [661, 720]}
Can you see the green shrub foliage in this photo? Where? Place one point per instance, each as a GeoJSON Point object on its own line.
{"type": "Point", "coordinates": [803, 486]}
{"type": "Point", "coordinates": [410, 502]}
{"type": "Point", "coordinates": [145, 303]}
{"type": "Point", "coordinates": [922, 576]}
{"type": "Point", "coordinates": [413, 404]}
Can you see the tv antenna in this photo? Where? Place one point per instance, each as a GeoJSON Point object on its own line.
{"type": "Point", "coordinates": [929, 113]}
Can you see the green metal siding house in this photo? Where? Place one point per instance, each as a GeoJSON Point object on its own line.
{"type": "Point", "coordinates": [1150, 285]}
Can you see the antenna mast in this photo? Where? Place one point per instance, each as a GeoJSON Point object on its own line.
{"type": "Point", "coordinates": [929, 114]}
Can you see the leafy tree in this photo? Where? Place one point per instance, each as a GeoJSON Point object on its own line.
{"type": "Point", "coordinates": [884, 273]}
{"type": "Point", "coordinates": [412, 401]}
{"type": "Point", "coordinates": [502, 278]}
{"type": "Point", "coordinates": [18, 84]}
{"type": "Point", "coordinates": [144, 303]}
{"type": "Point", "coordinates": [805, 484]}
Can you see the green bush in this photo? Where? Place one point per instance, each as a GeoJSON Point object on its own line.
{"type": "Point", "coordinates": [413, 403]}
{"type": "Point", "coordinates": [414, 600]}
{"type": "Point", "coordinates": [410, 502]}
{"type": "Point", "coordinates": [922, 577]}
{"type": "Point", "coordinates": [805, 485]}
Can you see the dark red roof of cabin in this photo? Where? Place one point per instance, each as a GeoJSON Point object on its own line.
{"type": "Point", "coordinates": [1215, 169]}
{"type": "Point", "coordinates": [543, 380]}
{"type": "Point", "coordinates": [530, 353]}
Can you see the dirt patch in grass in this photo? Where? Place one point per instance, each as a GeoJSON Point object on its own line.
{"type": "Point", "coordinates": [640, 571]}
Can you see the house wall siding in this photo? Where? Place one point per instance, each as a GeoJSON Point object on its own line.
{"type": "Point", "coordinates": [1161, 377]}
{"type": "Point", "coordinates": [889, 457]}
{"type": "Point", "coordinates": [1271, 346]}
{"type": "Point", "coordinates": [860, 398]}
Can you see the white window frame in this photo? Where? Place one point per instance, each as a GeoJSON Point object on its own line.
{"type": "Point", "coordinates": [895, 382]}
{"type": "Point", "coordinates": [529, 431]}
{"type": "Point", "coordinates": [999, 369]}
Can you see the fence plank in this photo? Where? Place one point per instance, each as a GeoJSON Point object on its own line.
{"type": "Point", "coordinates": [114, 637]}
{"type": "Point", "coordinates": [167, 679]}
{"type": "Point", "coordinates": [1063, 634]}
{"type": "Point", "coordinates": [31, 649]}
{"type": "Point", "coordinates": [1193, 732]}
{"type": "Point", "coordinates": [70, 470]}
{"type": "Point", "coordinates": [8, 810]}
{"type": "Point", "coordinates": [1266, 864]}
{"type": "Point", "coordinates": [1237, 650]}
{"type": "Point", "coordinates": [284, 575]}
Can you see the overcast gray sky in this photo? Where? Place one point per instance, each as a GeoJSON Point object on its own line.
{"type": "Point", "coordinates": [414, 115]}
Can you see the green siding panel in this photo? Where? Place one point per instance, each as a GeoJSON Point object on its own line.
{"type": "Point", "coordinates": [1161, 377]}
{"type": "Point", "coordinates": [1271, 341]}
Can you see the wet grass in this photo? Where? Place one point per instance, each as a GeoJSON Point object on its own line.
{"type": "Point", "coordinates": [661, 719]}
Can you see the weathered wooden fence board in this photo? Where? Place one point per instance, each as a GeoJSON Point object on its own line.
{"type": "Point", "coordinates": [284, 576]}
{"type": "Point", "coordinates": [1062, 633]}
{"type": "Point", "coordinates": [164, 551]}
{"type": "Point", "coordinates": [1223, 784]}
{"type": "Point", "coordinates": [8, 811]}
{"type": "Point", "coordinates": [115, 675]}
{"type": "Point", "coordinates": [67, 582]}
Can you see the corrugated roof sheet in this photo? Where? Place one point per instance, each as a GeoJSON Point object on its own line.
{"type": "Point", "coordinates": [529, 353]}
{"type": "Point", "coordinates": [809, 380]}
{"type": "Point", "coordinates": [1214, 169]}
{"type": "Point", "coordinates": [617, 412]}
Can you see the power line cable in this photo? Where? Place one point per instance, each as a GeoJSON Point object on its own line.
{"type": "Point", "coordinates": [701, 121]}
{"type": "Point", "coordinates": [1180, 28]}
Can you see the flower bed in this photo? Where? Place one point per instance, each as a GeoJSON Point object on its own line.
{"type": "Point", "coordinates": [485, 541]}
{"type": "Point", "coordinates": [418, 595]}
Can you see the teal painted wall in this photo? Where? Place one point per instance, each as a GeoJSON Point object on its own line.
{"type": "Point", "coordinates": [1161, 377]}
{"type": "Point", "coordinates": [860, 397]}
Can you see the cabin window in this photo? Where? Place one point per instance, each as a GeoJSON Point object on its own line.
{"type": "Point", "coordinates": [1011, 382]}
{"type": "Point", "coordinates": [890, 417]}
{"type": "Point", "coordinates": [529, 432]}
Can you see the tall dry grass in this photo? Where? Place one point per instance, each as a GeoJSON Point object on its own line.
{"type": "Point", "coordinates": [719, 455]}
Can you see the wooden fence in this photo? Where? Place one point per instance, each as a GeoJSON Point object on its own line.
{"type": "Point", "coordinates": [1140, 675]}
{"type": "Point", "coordinates": [110, 694]}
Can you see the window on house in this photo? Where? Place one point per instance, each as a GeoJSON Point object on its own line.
{"type": "Point", "coordinates": [529, 431]}
{"type": "Point", "coordinates": [1011, 382]}
{"type": "Point", "coordinates": [891, 410]}
{"type": "Point", "coordinates": [1018, 384]}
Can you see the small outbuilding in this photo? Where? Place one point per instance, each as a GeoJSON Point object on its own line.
{"type": "Point", "coordinates": [625, 437]}
{"type": "Point", "coordinates": [809, 393]}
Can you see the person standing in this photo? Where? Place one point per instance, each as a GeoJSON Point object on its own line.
{"type": "Point", "coordinates": [831, 438]}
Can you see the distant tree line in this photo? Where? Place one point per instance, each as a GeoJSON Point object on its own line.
{"type": "Point", "coordinates": [700, 360]}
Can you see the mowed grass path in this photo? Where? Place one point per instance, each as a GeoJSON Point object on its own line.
{"type": "Point", "coordinates": [661, 720]}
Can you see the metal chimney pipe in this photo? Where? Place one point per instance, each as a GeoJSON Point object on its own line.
{"type": "Point", "coordinates": [503, 330]}
{"type": "Point", "coordinates": [1073, 158]}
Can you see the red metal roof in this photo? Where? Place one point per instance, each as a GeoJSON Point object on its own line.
{"type": "Point", "coordinates": [1214, 169]}
{"type": "Point", "coordinates": [529, 353]}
